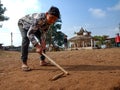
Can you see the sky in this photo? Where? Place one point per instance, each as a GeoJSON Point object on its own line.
{"type": "Point", "coordinates": [100, 17]}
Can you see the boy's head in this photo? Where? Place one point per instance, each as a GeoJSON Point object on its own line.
{"type": "Point", "coordinates": [117, 34]}
{"type": "Point", "coordinates": [54, 11]}
{"type": "Point", "coordinates": [52, 15]}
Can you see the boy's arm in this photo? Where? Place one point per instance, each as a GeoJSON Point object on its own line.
{"type": "Point", "coordinates": [31, 36]}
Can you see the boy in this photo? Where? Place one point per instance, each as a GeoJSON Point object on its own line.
{"type": "Point", "coordinates": [65, 42]}
{"type": "Point", "coordinates": [32, 26]}
{"type": "Point", "coordinates": [117, 40]}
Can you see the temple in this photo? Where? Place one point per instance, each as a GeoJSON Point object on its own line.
{"type": "Point", "coordinates": [83, 40]}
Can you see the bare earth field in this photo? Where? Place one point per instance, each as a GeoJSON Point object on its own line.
{"type": "Point", "coordinates": [97, 69]}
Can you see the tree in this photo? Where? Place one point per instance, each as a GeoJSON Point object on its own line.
{"type": "Point", "coordinates": [101, 39]}
{"type": "Point", "coordinates": [2, 10]}
{"type": "Point", "coordinates": [55, 37]}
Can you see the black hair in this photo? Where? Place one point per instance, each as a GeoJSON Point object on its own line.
{"type": "Point", "coordinates": [54, 11]}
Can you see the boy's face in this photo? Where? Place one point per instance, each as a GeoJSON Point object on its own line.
{"type": "Point", "coordinates": [51, 18]}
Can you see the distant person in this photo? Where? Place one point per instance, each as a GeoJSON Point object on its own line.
{"type": "Point", "coordinates": [65, 42]}
{"type": "Point", "coordinates": [117, 40]}
{"type": "Point", "coordinates": [34, 27]}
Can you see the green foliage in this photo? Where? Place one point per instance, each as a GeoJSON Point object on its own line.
{"type": "Point", "coordinates": [101, 39]}
{"type": "Point", "coordinates": [55, 37]}
{"type": "Point", "coordinates": [3, 18]}
{"type": "Point", "coordinates": [2, 10]}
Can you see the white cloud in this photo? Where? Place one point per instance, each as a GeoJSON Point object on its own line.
{"type": "Point", "coordinates": [15, 10]}
{"type": "Point", "coordinates": [97, 12]}
{"type": "Point", "coordinates": [115, 7]}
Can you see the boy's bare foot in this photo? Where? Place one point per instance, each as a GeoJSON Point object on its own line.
{"type": "Point", "coordinates": [44, 63]}
{"type": "Point", "coordinates": [25, 67]}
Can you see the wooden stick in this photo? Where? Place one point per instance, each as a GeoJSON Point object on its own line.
{"type": "Point", "coordinates": [57, 76]}
{"type": "Point", "coordinates": [56, 64]}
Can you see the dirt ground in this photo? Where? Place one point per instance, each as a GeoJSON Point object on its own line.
{"type": "Point", "coordinates": [97, 69]}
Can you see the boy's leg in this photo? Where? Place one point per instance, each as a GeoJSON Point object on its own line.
{"type": "Point", "coordinates": [42, 57]}
{"type": "Point", "coordinates": [25, 45]}
{"type": "Point", "coordinates": [116, 45]}
{"type": "Point", "coordinates": [42, 60]}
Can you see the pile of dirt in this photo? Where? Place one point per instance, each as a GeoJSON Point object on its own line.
{"type": "Point", "coordinates": [97, 69]}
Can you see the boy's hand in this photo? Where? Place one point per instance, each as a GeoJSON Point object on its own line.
{"type": "Point", "coordinates": [39, 49]}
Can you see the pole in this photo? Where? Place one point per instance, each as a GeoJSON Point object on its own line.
{"type": "Point", "coordinates": [57, 65]}
{"type": "Point", "coordinates": [11, 39]}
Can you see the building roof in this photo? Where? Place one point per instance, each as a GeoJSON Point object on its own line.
{"type": "Point", "coordinates": [80, 37]}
